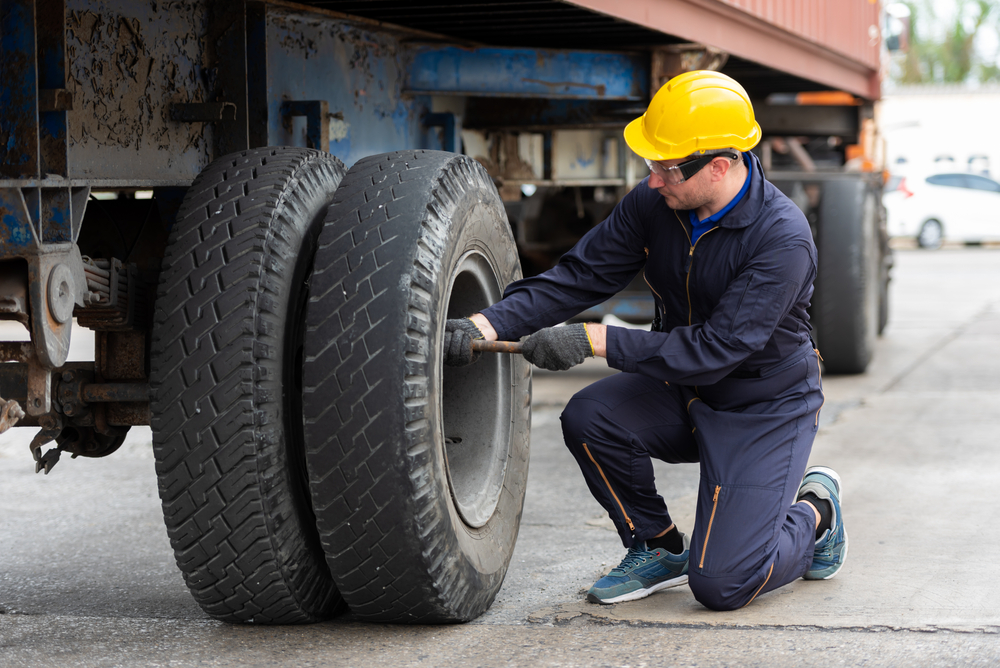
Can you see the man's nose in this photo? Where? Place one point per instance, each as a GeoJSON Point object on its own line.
{"type": "Point", "coordinates": [655, 181]}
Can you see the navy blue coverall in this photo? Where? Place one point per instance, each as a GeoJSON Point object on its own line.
{"type": "Point", "coordinates": [730, 379]}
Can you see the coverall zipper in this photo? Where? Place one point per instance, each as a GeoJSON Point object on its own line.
{"type": "Point", "coordinates": [621, 507]}
{"type": "Point", "coordinates": [708, 532]}
{"type": "Point", "coordinates": [690, 261]}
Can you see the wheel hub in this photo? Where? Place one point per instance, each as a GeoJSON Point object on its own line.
{"type": "Point", "coordinates": [476, 403]}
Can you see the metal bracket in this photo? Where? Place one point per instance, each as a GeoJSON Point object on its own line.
{"type": "Point", "coordinates": [38, 399]}
{"type": "Point", "coordinates": [39, 389]}
{"type": "Point", "coordinates": [52, 426]}
{"type": "Point", "coordinates": [40, 226]}
{"type": "Point", "coordinates": [56, 283]}
{"type": "Point", "coordinates": [317, 113]}
{"type": "Point", "coordinates": [669, 61]}
{"type": "Point", "coordinates": [447, 122]}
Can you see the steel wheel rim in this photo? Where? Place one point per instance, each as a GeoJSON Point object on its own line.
{"type": "Point", "coordinates": [476, 403]}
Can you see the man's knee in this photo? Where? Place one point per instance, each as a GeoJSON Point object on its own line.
{"type": "Point", "coordinates": [577, 418]}
{"type": "Point", "coordinates": [719, 593]}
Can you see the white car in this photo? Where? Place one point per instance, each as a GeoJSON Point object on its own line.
{"type": "Point", "coordinates": [953, 206]}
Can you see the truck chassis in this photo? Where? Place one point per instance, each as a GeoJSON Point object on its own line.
{"type": "Point", "coordinates": [127, 127]}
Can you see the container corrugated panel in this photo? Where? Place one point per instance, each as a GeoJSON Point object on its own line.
{"type": "Point", "coordinates": [849, 27]}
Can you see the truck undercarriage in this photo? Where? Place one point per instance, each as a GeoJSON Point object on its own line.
{"type": "Point", "coordinates": [155, 156]}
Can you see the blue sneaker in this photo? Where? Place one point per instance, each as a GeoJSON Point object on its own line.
{"type": "Point", "coordinates": [641, 573]}
{"type": "Point", "coordinates": [831, 547]}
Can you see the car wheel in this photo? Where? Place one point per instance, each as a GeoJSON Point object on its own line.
{"type": "Point", "coordinates": [417, 470]}
{"type": "Point", "coordinates": [225, 378]}
{"type": "Point", "coordinates": [931, 235]}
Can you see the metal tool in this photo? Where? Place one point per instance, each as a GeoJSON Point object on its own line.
{"type": "Point", "coordinates": [482, 346]}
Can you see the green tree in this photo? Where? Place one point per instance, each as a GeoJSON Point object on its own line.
{"type": "Point", "coordinates": [949, 56]}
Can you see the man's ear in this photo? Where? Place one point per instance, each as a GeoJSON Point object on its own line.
{"type": "Point", "coordinates": [719, 168]}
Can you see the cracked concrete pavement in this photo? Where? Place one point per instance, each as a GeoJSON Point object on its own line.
{"type": "Point", "coordinates": [87, 577]}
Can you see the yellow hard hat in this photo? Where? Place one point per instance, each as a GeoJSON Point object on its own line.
{"type": "Point", "coordinates": [694, 112]}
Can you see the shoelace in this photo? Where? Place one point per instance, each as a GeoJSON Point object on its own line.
{"type": "Point", "coordinates": [633, 558]}
{"type": "Point", "coordinates": [825, 554]}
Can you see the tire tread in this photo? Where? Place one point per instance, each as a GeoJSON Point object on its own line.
{"type": "Point", "coordinates": [371, 527]}
{"type": "Point", "coordinates": [216, 388]}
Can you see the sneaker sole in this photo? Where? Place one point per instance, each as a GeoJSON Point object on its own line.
{"type": "Point", "coordinates": [641, 593]}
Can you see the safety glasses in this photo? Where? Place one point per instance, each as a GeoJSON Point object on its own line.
{"type": "Point", "coordinates": [678, 174]}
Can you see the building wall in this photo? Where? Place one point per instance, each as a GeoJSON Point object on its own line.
{"type": "Point", "coordinates": [923, 124]}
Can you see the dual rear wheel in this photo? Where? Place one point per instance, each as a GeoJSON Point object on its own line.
{"type": "Point", "coordinates": [312, 452]}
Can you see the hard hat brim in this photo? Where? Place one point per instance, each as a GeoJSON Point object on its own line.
{"type": "Point", "coordinates": [636, 139]}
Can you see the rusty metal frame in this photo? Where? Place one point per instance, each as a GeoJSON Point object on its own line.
{"type": "Point", "coordinates": [40, 224]}
{"type": "Point", "coordinates": [15, 376]}
{"type": "Point", "coordinates": [237, 56]}
{"type": "Point", "coordinates": [317, 114]}
{"type": "Point", "coordinates": [19, 90]}
{"type": "Point", "coordinates": [226, 59]}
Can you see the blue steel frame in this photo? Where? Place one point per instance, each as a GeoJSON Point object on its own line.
{"type": "Point", "coordinates": [380, 87]}
{"type": "Point", "coordinates": [286, 72]}
{"type": "Point", "coordinates": [119, 94]}
{"type": "Point", "coordinates": [36, 199]}
{"type": "Point", "coordinates": [527, 73]}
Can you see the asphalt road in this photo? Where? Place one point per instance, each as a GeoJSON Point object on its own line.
{"type": "Point", "coordinates": [87, 576]}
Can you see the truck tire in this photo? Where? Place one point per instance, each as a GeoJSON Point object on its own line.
{"type": "Point", "coordinates": [845, 309]}
{"type": "Point", "coordinates": [417, 471]}
{"type": "Point", "coordinates": [883, 294]}
{"type": "Point", "coordinates": [885, 268]}
{"type": "Point", "coordinates": [226, 360]}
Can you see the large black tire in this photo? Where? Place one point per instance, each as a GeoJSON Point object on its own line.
{"type": "Point", "coordinates": [417, 471]}
{"type": "Point", "coordinates": [226, 365]}
{"type": "Point", "coordinates": [845, 310]}
{"type": "Point", "coordinates": [884, 277]}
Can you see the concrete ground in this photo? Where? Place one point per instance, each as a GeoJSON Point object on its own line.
{"type": "Point", "coordinates": [87, 577]}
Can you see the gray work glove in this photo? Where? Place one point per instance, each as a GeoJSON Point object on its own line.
{"type": "Point", "coordinates": [458, 336]}
{"type": "Point", "coordinates": [558, 348]}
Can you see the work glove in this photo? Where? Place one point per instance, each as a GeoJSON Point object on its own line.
{"type": "Point", "coordinates": [458, 336]}
{"type": "Point", "coordinates": [558, 348]}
